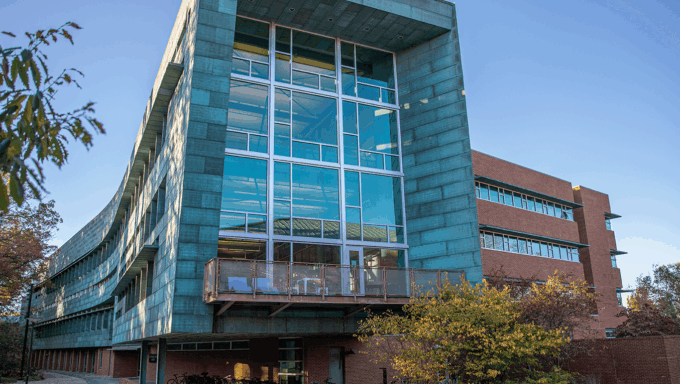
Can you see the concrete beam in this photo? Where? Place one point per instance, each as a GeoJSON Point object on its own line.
{"type": "Point", "coordinates": [224, 308]}
{"type": "Point", "coordinates": [279, 308]}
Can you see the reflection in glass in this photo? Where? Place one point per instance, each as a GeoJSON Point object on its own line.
{"type": "Point", "coordinates": [375, 233]}
{"type": "Point", "coordinates": [375, 67]}
{"type": "Point", "coordinates": [352, 196]}
{"type": "Point", "coordinates": [306, 228]}
{"type": "Point", "coordinates": [347, 54]}
{"type": "Point", "coordinates": [348, 85]}
{"type": "Point", "coordinates": [282, 140]}
{"type": "Point", "coordinates": [257, 224]}
{"type": "Point", "coordinates": [329, 154]}
{"type": "Point", "coordinates": [314, 118]}
{"type": "Point", "coordinates": [236, 140]}
{"type": "Point", "coordinates": [235, 222]}
{"type": "Point", "coordinates": [381, 199]}
{"type": "Point", "coordinates": [378, 130]}
{"type": "Point", "coordinates": [260, 71]}
{"type": "Point", "coordinates": [349, 117]}
{"type": "Point", "coordinates": [244, 185]}
{"type": "Point", "coordinates": [351, 152]}
{"type": "Point", "coordinates": [392, 163]}
{"type": "Point", "coordinates": [305, 79]}
{"type": "Point", "coordinates": [305, 151]}
{"type": "Point", "coordinates": [353, 223]}
{"type": "Point", "coordinates": [281, 217]}
{"type": "Point", "coordinates": [317, 254]}
{"type": "Point", "coordinates": [251, 40]}
{"type": "Point", "coordinates": [313, 53]}
{"type": "Point", "coordinates": [241, 67]}
{"type": "Point", "coordinates": [282, 106]}
{"type": "Point", "coordinates": [242, 249]}
{"type": "Point", "coordinates": [282, 181]}
{"type": "Point", "coordinates": [397, 235]}
{"type": "Point", "coordinates": [388, 96]}
{"type": "Point", "coordinates": [368, 92]}
{"type": "Point", "coordinates": [327, 83]}
{"type": "Point", "coordinates": [248, 107]}
{"type": "Point", "coordinates": [315, 192]}
{"type": "Point", "coordinates": [282, 68]}
{"type": "Point", "coordinates": [258, 143]}
{"type": "Point", "coordinates": [371, 160]}
{"type": "Point", "coordinates": [283, 39]}
{"type": "Point", "coordinates": [331, 229]}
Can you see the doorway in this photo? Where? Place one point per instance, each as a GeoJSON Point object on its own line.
{"type": "Point", "coordinates": [336, 366]}
{"type": "Point", "coordinates": [354, 257]}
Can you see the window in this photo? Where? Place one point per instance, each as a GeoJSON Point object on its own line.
{"type": "Point", "coordinates": [518, 200]}
{"type": "Point", "coordinates": [312, 59]}
{"type": "Point", "coordinates": [251, 49]}
{"type": "Point", "coordinates": [499, 242]}
{"type": "Point", "coordinates": [368, 73]}
{"type": "Point", "coordinates": [281, 195]}
{"type": "Point", "coordinates": [608, 223]}
{"type": "Point", "coordinates": [244, 195]}
{"type": "Point", "coordinates": [310, 196]}
{"type": "Point", "coordinates": [290, 361]}
{"type": "Point", "coordinates": [609, 333]}
{"type": "Point", "coordinates": [614, 262]}
{"type": "Point", "coordinates": [247, 118]}
{"type": "Point", "coordinates": [374, 208]}
{"type": "Point", "coordinates": [619, 297]}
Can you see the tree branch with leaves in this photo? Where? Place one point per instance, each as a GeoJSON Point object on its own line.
{"type": "Point", "coordinates": [32, 130]}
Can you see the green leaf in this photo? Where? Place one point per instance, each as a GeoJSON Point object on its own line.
{"type": "Point", "coordinates": [16, 190]}
{"type": "Point", "coordinates": [35, 73]}
{"type": "Point", "coordinates": [4, 145]}
{"type": "Point", "coordinates": [23, 74]}
{"type": "Point", "coordinates": [26, 55]}
{"type": "Point", "coordinates": [4, 198]}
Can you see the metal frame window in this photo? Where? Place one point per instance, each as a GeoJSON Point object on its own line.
{"type": "Point", "coordinates": [522, 201]}
{"type": "Point", "coordinates": [526, 246]}
{"type": "Point", "coordinates": [281, 84]}
{"type": "Point", "coordinates": [231, 345]}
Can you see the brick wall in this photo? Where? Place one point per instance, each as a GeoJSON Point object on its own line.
{"type": "Point", "coordinates": [125, 364]}
{"type": "Point", "coordinates": [648, 360]}
{"type": "Point", "coordinates": [596, 259]}
{"type": "Point", "coordinates": [525, 266]}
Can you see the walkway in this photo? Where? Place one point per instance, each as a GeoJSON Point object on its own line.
{"type": "Point", "coordinates": [60, 377]}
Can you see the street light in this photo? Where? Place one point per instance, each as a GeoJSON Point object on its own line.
{"type": "Point", "coordinates": [30, 321]}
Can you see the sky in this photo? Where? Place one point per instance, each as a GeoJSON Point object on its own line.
{"type": "Point", "coordinates": [587, 91]}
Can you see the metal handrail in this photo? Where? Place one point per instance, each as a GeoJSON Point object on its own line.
{"type": "Point", "coordinates": [343, 280]}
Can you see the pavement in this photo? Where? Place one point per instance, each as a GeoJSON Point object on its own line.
{"type": "Point", "coordinates": [59, 377]}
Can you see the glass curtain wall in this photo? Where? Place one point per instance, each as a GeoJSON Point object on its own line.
{"type": "Point", "coordinates": [313, 153]}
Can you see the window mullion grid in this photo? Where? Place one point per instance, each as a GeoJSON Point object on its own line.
{"type": "Point", "coordinates": [341, 150]}
{"type": "Point", "coordinates": [270, 140]}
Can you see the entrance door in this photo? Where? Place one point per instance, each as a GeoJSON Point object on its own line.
{"type": "Point", "coordinates": [336, 366]}
{"type": "Point", "coordinates": [354, 257]}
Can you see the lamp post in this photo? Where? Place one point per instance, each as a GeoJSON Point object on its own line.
{"type": "Point", "coordinates": [30, 321]}
{"type": "Point", "coordinates": [28, 313]}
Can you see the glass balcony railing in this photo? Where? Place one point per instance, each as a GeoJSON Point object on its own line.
{"type": "Point", "coordinates": [259, 278]}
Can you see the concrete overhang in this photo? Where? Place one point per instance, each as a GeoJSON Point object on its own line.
{"type": "Point", "coordinates": [610, 215]}
{"type": "Point", "coordinates": [617, 252]}
{"type": "Point", "coordinates": [516, 188]}
{"type": "Point", "coordinates": [510, 232]}
{"type": "Point", "coordinates": [392, 26]}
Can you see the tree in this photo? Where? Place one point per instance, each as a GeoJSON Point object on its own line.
{"type": "Point", "coordinates": [32, 130]}
{"type": "Point", "coordinates": [473, 334]}
{"type": "Point", "coordinates": [647, 320]}
{"type": "Point", "coordinates": [662, 288]}
{"type": "Point", "coordinates": [25, 233]}
{"type": "Point", "coordinates": [11, 337]}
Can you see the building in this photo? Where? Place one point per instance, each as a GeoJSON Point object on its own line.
{"type": "Point", "coordinates": [532, 224]}
{"type": "Point", "coordinates": [297, 163]}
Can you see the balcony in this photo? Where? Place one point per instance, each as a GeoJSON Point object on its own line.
{"type": "Point", "coordinates": [254, 281]}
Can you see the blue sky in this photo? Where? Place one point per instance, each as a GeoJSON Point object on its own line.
{"type": "Point", "coordinates": [588, 91]}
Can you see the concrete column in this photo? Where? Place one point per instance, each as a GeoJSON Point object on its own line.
{"type": "Point", "coordinates": [160, 365]}
{"type": "Point", "coordinates": [143, 361]}
{"type": "Point", "coordinates": [86, 362]}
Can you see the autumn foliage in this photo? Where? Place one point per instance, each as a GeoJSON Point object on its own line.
{"type": "Point", "coordinates": [25, 233]}
{"type": "Point", "coordinates": [475, 334]}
